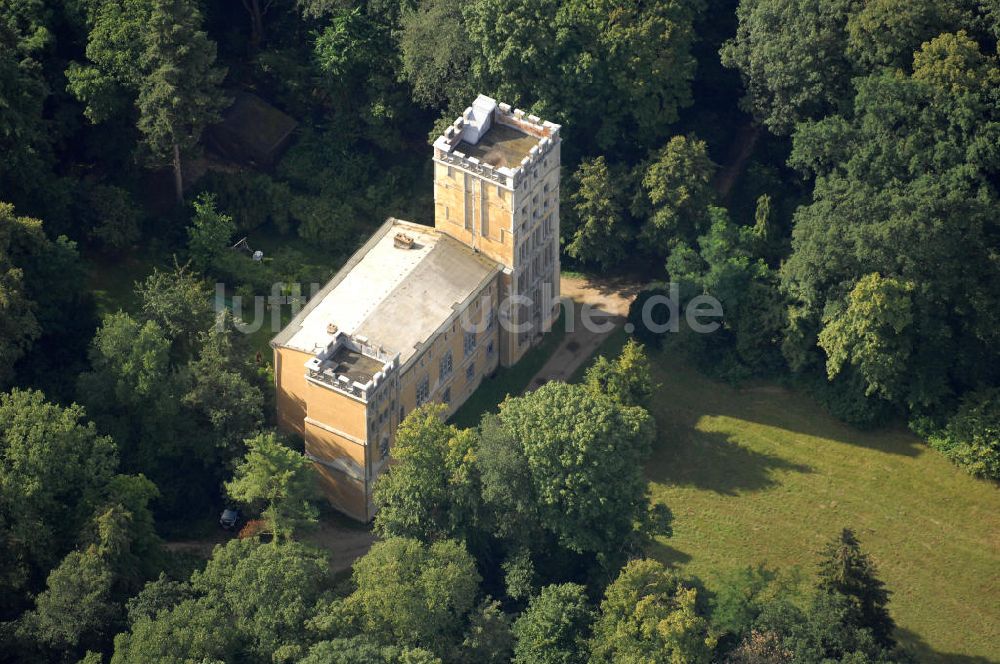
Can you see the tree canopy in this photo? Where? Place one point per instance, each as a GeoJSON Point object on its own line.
{"type": "Point", "coordinates": [279, 477]}
{"type": "Point", "coordinates": [54, 472]}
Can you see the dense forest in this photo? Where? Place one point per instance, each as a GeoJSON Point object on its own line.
{"type": "Point", "coordinates": [829, 171]}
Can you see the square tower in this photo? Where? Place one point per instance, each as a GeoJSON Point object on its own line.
{"type": "Point", "coordinates": [496, 189]}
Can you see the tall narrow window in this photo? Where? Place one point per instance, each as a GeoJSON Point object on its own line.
{"type": "Point", "coordinates": [484, 209]}
{"type": "Point", "coordinates": [469, 202]}
{"type": "Point", "coordinates": [423, 391]}
{"type": "Point", "coordinates": [446, 366]}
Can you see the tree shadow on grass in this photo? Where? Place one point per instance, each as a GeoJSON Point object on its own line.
{"type": "Point", "coordinates": [695, 395]}
{"type": "Point", "coordinates": [914, 644]}
{"type": "Point", "coordinates": [666, 554]}
{"type": "Point", "coordinates": [715, 462]}
{"type": "Point", "coordinates": [798, 412]}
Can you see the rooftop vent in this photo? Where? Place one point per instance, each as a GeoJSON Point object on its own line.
{"type": "Point", "coordinates": [331, 328]}
{"type": "Point", "coordinates": [402, 241]}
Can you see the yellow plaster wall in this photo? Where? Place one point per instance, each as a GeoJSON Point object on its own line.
{"type": "Point", "coordinates": [330, 446]}
{"type": "Point", "coordinates": [337, 410]}
{"type": "Point", "coordinates": [291, 388]}
{"type": "Point", "coordinates": [452, 337]}
{"type": "Point", "coordinates": [449, 212]}
{"type": "Point", "coordinates": [345, 493]}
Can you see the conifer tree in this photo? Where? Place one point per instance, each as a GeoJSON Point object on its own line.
{"type": "Point", "coordinates": [846, 570]}
{"type": "Point", "coordinates": [180, 93]}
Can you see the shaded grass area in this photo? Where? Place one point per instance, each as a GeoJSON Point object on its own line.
{"type": "Point", "coordinates": [112, 280]}
{"type": "Point", "coordinates": [762, 474]}
{"type": "Point", "coordinates": [509, 380]}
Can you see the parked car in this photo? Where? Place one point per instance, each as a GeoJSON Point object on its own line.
{"type": "Point", "coordinates": [231, 518]}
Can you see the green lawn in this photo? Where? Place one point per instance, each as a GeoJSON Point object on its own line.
{"type": "Point", "coordinates": [762, 474]}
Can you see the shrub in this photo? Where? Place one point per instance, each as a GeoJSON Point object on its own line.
{"type": "Point", "coordinates": [252, 199]}
{"type": "Point", "coordinates": [326, 221]}
{"type": "Point", "coordinates": [844, 397]}
{"type": "Point", "coordinates": [209, 232]}
{"type": "Point", "coordinates": [254, 528]}
{"type": "Point", "coordinates": [972, 437]}
{"type": "Point", "coordinates": [660, 316]}
{"type": "Point", "coordinates": [239, 271]}
{"type": "Point", "coordinates": [111, 216]}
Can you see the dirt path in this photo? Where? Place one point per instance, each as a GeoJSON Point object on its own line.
{"type": "Point", "coordinates": [608, 300]}
{"type": "Point", "coordinates": [739, 154]}
{"type": "Point", "coordinates": [343, 543]}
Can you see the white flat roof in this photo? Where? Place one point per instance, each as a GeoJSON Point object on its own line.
{"type": "Point", "coordinates": [396, 298]}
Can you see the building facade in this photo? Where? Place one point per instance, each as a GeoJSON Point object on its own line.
{"type": "Point", "coordinates": [422, 314]}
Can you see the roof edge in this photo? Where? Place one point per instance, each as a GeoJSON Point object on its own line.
{"type": "Point", "coordinates": [281, 339]}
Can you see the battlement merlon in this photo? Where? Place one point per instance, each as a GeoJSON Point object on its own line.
{"type": "Point", "coordinates": [496, 142]}
{"type": "Point", "coordinates": [352, 365]}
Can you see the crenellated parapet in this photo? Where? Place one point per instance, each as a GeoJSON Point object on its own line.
{"type": "Point", "coordinates": [475, 123]}
{"type": "Point", "coordinates": [350, 364]}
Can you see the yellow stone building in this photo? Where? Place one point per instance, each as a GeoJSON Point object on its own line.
{"type": "Point", "coordinates": [422, 314]}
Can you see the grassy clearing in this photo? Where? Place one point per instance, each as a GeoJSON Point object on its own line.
{"type": "Point", "coordinates": [762, 474]}
{"type": "Point", "coordinates": [112, 280]}
{"type": "Point", "coordinates": [509, 380]}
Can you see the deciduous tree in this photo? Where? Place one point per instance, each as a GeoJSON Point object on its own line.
{"type": "Point", "coordinates": [436, 55]}
{"type": "Point", "coordinates": [76, 608]}
{"type": "Point", "coordinates": [555, 627]}
{"type": "Point", "coordinates": [584, 453]}
{"type": "Point", "coordinates": [55, 469]}
{"type": "Point", "coordinates": [431, 491]}
{"type": "Point", "coordinates": [793, 59]}
{"type": "Point", "coordinates": [194, 630]}
{"type": "Point", "coordinates": [414, 594]}
{"type": "Point", "coordinates": [902, 213]}
{"type": "Point", "coordinates": [178, 301]}
{"type": "Point", "coordinates": [362, 650]}
{"type": "Point", "coordinates": [210, 232]}
{"type": "Point", "coordinates": [279, 477]}
{"type": "Point", "coordinates": [648, 615]}
{"type": "Point", "coordinates": [626, 379]}
{"type": "Point", "coordinates": [270, 590]}
{"type": "Point", "coordinates": [678, 191]}
{"type": "Point", "coordinates": [577, 63]}
{"type": "Point", "coordinates": [870, 333]}
{"type": "Point", "coordinates": [224, 391]}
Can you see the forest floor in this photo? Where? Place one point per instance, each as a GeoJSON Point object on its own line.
{"type": "Point", "coordinates": [736, 161]}
{"type": "Point", "coordinates": [762, 475]}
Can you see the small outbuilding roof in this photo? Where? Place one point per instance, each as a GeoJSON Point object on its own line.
{"type": "Point", "coordinates": [251, 132]}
